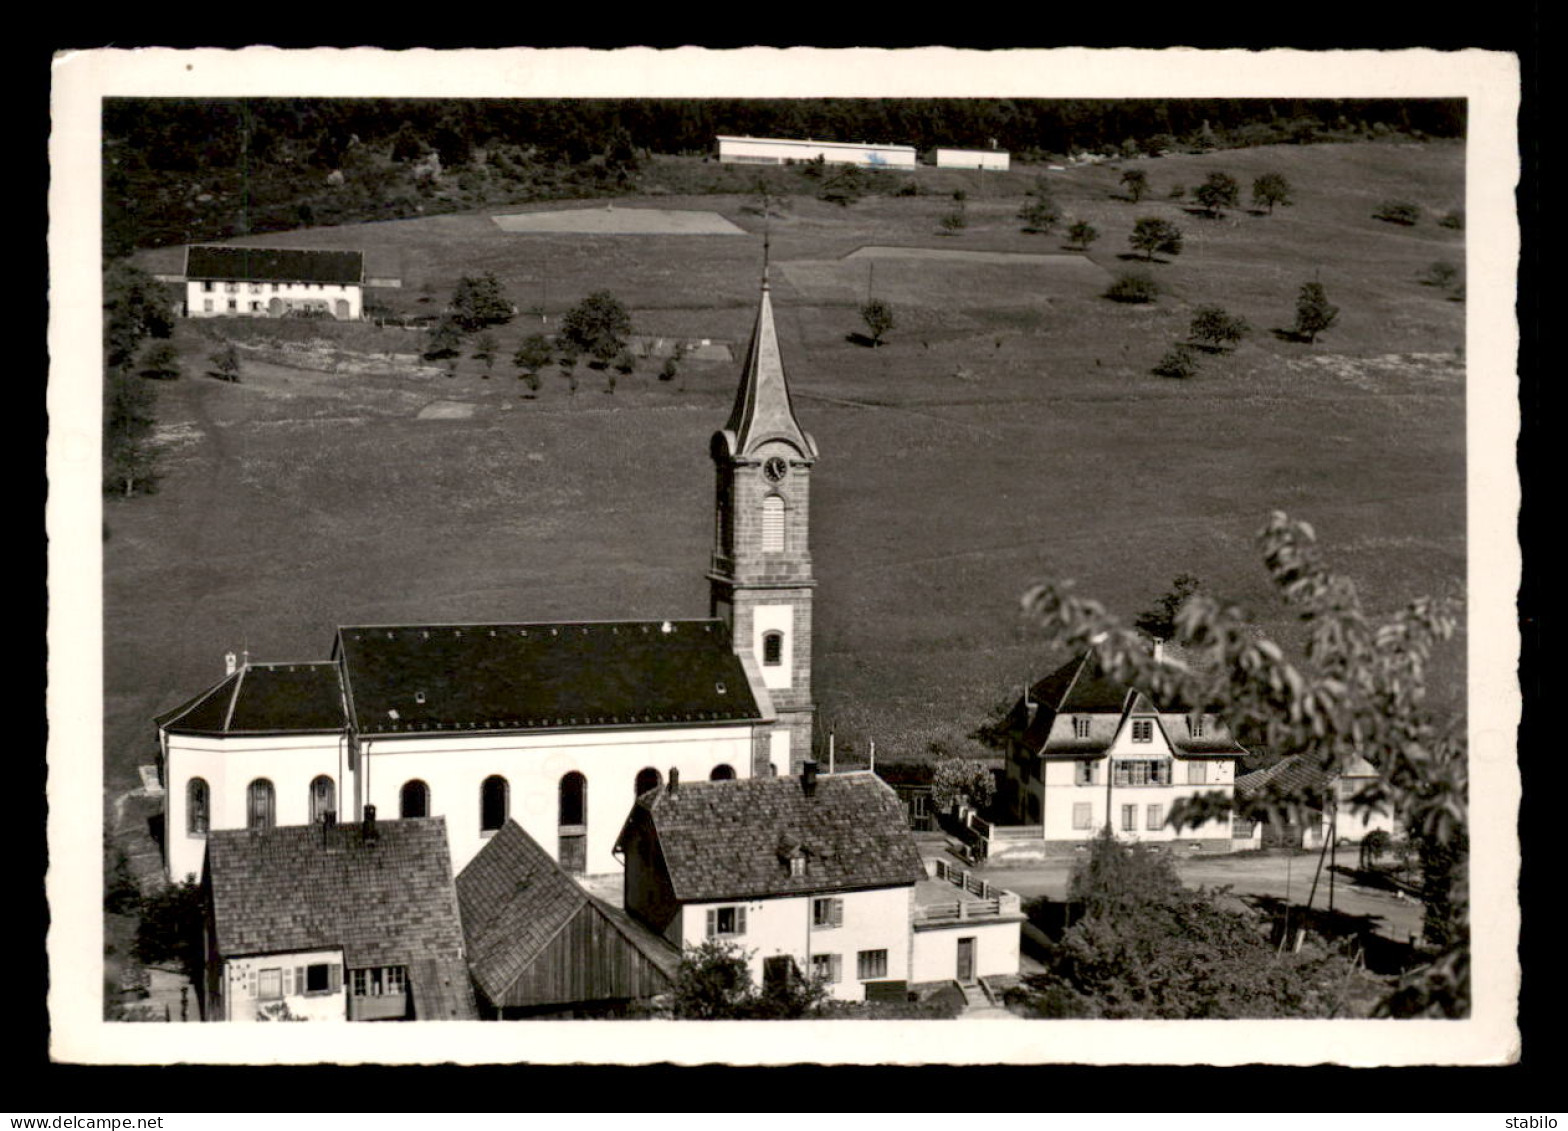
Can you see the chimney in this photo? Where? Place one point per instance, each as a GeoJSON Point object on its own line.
{"type": "Point", "coordinates": [674, 781]}
{"type": "Point", "coordinates": [368, 832]}
{"type": "Point", "coordinates": [808, 778]}
{"type": "Point", "coordinates": [230, 663]}
{"type": "Point", "coordinates": [329, 821]}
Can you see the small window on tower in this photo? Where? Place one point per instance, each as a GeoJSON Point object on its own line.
{"type": "Point", "coordinates": [773, 649]}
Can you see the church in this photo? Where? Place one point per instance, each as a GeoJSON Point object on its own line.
{"type": "Point", "coordinates": [558, 726]}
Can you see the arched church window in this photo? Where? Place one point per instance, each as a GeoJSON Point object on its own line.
{"type": "Point", "coordinates": [260, 812]}
{"type": "Point", "coordinates": [493, 800]}
{"type": "Point", "coordinates": [574, 800]}
{"type": "Point", "coordinates": [414, 800]}
{"type": "Point", "coordinates": [323, 798]}
{"type": "Point", "coordinates": [196, 802]}
{"type": "Point", "coordinates": [722, 772]}
{"type": "Point", "coordinates": [647, 778]}
{"type": "Point", "coordinates": [772, 525]}
{"type": "Point", "coordinates": [773, 649]}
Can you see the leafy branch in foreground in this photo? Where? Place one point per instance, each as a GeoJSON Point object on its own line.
{"type": "Point", "coordinates": [1361, 690]}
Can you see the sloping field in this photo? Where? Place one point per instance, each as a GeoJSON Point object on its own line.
{"type": "Point", "coordinates": [939, 277]}
{"type": "Point", "coordinates": [619, 222]}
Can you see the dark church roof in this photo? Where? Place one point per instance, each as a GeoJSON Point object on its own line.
{"type": "Point", "coordinates": [734, 839]}
{"type": "Point", "coordinates": [274, 265]}
{"type": "Point", "coordinates": [265, 699]}
{"type": "Point", "coordinates": [414, 679]}
{"type": "Point", "coordinates": [514, 900]}
{"type": "Point", "coordinates": [386, 901]}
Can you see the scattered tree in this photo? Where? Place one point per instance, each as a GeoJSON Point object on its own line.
{"type": "Point", "coordinates": [954, 221]}
{"type": "Point", "coordinates": [130, 456]}
{"type": "Point", "coordinates": [161, 360]}
{"type": "Point", "coordinates": [1040, 214]}
{"type": "Point", "coordinates": [956, 780]}
{"type": "Point", "coordinates": [567, 362]}
{"type": "Point", "coordinates": [1148, 948]}
{"type": "Point", "coordinates": [445, 340]}
{"type": "Point", "coordinates": [1219, 191]}
{"type": "Point", "coordinates": [225, 362]}
{"type": "Point", "coordinates": [1374, 846]}
{"type": "Point", "coordinates": [1454, 220]}
{"type": "Point", "coordinates": [1137, 184]}
{"type": "Point", "coordinates": [1314, 313]}
{"type": "Point", "coordinates": [1270, 189]}
{"type": "Point", "coordinates": [1152, 234]}
{"type": "Point", "coordinates": [135, 308]}
{"type": "Point", "coordinates": [1214, 328]}
{"type": "Point", "coordinates": [598, 326]}
{"type": "Point", "coordinates": [1082, 234]}
{"type": "Point", "coordinates": [625, 362]}
{"type": "Point", "coordinates": [485, 347]}
{"type": "Point", "coordinates": [1401, 212]}
{"type": "Point", "coordinates": [877, 314]}
{"type": "Point", "coordinates": [1359, 690]}
{"type": "Point", "coordinates": [1159, 620]}
{"type": "Point", "coordinates": [1441, 274]}
{"type": "Point", "coordinates": [1179, 361]}
{"type": "Point", "coordinates": [532, 355]}
{"type": "Point", "coordinates": [1133, 286]}
{"type": "Point", "coordinates": [479, 302]}
{"type": "Point", "coordinates": [171, 927]}
{"type": "Point", "coordinates": [1178, 192]}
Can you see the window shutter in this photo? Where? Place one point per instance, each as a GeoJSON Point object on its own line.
{"type": "Point", "coordinates": [772, 524]}
{"type": "Point", "coordinates": [713, 922]}
{"type": "Point", "coordinates": [334, 977]}
{"type": "Point", "coordinates": [740, 920]}
{"type": "Point", "coordinates": [838, 912]}
{"type": "Point", "coordinates": [838, 967]}
{"type": "Point", "coordinates": [250, 982]}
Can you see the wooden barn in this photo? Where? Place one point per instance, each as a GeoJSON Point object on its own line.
{"type": "Point", "coordinates": [540, 946]}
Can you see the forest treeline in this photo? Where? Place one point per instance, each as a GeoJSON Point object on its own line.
{"type": "Point", "coordinates": [172, 165]}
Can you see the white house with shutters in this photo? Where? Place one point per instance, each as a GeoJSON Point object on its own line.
{"type": "Point", "coordinates": [1084, 751]}
{"type": "Point", "coordinates": [812, 874]}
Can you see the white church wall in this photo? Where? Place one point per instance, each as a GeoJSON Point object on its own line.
{"type": "Point", "coordinates": [454, 767]}
{"type": "Point", "coordinates": [228, 766]}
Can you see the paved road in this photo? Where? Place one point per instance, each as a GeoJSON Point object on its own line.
{"type": "Point", "coordinates": [1250, 874]}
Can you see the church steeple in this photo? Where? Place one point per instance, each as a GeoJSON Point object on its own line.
{"type": "Point", "coordinates": [761, 580]}
{"type": "Point", "coordinates": [763, 411]}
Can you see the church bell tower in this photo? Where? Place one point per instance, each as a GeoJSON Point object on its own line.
{"type": "Point", "coordinates": [761, 581]}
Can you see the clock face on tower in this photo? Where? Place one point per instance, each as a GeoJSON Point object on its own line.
{"type": "Point", "coordinates": [775, 469]}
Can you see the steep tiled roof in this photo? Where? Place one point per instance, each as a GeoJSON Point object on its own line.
{"type": "Point", "coordinates": [1293, 775]}
{"type": "Point", "coordinates": [389, 901]}
{"type": "Point", "coordinates": [1080, 690]}
{"type": "Point", "coordinates": [274, 265]}
{"type": "Point", "coordinates": [515, 899]}
{"type": "Point", "coordinates": [479, 677]}
{"type": "Point", "coordinates": [265, 699]}
{"type": "Point", "coordinates": [733, 839]}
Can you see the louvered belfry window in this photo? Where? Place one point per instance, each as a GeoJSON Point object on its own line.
{"type": "Point", "coordinates": [772, 525]}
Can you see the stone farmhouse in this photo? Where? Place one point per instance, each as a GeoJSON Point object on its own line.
{"type": "Point", "coordinates": [257, 282]}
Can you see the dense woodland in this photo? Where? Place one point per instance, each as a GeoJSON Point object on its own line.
{"type": "Point", "coordinates": [182, 170]}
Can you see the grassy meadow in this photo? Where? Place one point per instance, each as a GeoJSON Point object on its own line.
{"type": "Point", "coordinates": [1009, 429]}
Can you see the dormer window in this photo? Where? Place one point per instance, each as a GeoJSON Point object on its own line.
{"type": "Point", "coordinates": [1080, 728]}
{"type": "Point", "coordinates": [1195, 725]}
{"type": "Point", "coordinates": [797, 867]}
{"type": "Point", "coordinates": [1143, 730]}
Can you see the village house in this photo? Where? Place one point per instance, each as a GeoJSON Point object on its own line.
{"type": "Point", "coordinates": [267, 282]}
{"type": "Point", "coordinates": [559, 725]}
{"type": "Point", "coordinates": [540, 946]}
{"type": "Point", "coordinates": [1085, 752]}
{"type": "Point", "coordinates": [782, 151]}
{"type": "Point", "coordinates": [810, 874]}
{"type": "Point", "coordinates": [1333, 814]}
{"type": "Point", "coordinates": [331, 922]}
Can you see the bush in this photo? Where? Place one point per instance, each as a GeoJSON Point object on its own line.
{"type": "Point", "coordinates": [1179, 361]}
{"type": "Point", "coordinates": [1216, 328]}
{"type": "Point", "coordinates": [1178, 192]}
{"type": "Point", "coordinates": [1083, 233]}
{"type": "Point", "coordinates": [1441, 274]}
{"type": "Point", "coordinates": [1133, 286]}
{"type": "Point", "coordinates": [1398, 212]}
{"type": "Point", "coordinates": [1454, 220]}
{"type": "Point", "coordinates": [955, 221]}
{"type": "Point", "coordinates": [1040, 214]}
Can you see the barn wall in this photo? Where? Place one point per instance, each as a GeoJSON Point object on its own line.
{"type": "Point", "coordinates": [589, 960]}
